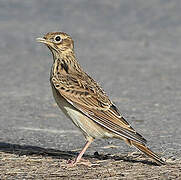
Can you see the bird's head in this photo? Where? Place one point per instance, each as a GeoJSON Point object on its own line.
{"type": "Point", "coordinates": [57, 41]}
{"type": "Point", "coordinates": [62, 47]}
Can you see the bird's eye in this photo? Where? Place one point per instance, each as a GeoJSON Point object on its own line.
{"type": "Point", "coordinates": [58, 39]}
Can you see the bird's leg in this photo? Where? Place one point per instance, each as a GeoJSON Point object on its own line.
{"type": "Point", "coordinates": [78, 158]}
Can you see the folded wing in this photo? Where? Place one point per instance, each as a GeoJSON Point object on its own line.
{"type": "Point", "coordinates": [87, 96]}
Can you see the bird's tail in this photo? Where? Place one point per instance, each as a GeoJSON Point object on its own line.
{"type": "Point", "coordinates": [149, 153]}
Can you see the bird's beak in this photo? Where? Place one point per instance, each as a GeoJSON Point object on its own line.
{"type": "Point", "coordinates": [44, 41]}
{"type": "Point", "coordinates": [41, 40]}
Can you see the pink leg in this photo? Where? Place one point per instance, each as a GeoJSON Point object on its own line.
{"type": "Point", "coordinates": [78, 158]}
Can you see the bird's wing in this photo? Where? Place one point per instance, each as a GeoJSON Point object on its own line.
{"type": "Point", "coordinates": [87, 96]}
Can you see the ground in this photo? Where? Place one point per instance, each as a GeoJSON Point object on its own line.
{"type": "Point", "coordinates": [20, 162]}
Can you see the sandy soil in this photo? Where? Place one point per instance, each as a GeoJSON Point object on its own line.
{"type": "Point", "coordinates": [31, 163]}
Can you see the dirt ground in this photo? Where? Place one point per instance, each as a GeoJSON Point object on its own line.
{"type": "Point", "coordinates": [21, 162]}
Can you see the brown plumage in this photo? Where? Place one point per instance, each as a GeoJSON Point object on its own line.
{"type": "Point", "coordinates": [83, 100]}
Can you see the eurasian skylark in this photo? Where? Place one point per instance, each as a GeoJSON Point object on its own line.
{"type": "Point", "coordinates": [83, 100]}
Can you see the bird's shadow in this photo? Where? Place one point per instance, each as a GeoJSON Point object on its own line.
{"type": "Point", "coordinates": [28, 150]}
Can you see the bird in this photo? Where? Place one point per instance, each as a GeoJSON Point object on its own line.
{"type": "Point", "coordinates": [83, 101]}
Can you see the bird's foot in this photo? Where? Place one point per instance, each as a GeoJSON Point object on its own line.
{"type": "Point", "coordinates": [72, 163]}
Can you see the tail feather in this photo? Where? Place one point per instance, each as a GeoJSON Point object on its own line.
{"type": "Point", "coordinates": [149, 153]}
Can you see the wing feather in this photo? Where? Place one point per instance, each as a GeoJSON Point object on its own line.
{"type": "Point", "coordinates": [95, 104]}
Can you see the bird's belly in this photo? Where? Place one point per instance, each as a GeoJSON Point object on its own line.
{"type": "Point", "coordinates": [86, 125]}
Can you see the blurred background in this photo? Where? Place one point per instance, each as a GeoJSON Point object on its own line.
{"type": "Point", "coordinates": [132, 48]}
